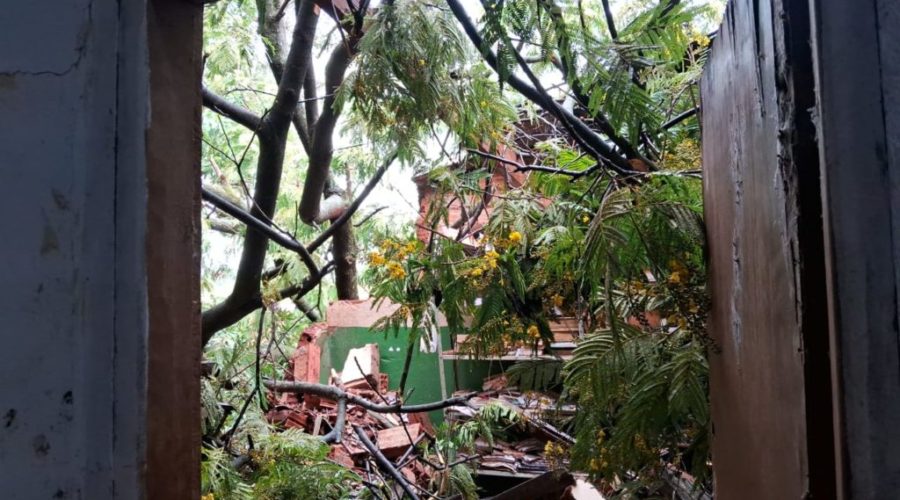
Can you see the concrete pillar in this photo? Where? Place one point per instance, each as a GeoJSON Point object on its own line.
{"type": "Point", "coordinates": [76, 133]}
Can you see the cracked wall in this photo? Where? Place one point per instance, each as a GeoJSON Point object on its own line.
{"type": "Point", "coordinates": [73, 116]}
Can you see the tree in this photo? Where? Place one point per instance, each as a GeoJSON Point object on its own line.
{"type": "Point", "coordinates": [620, 247]}
{"type": "Point", "coordinates": [617, 153]}
{"type": "Point", "coordinates": [402, 86]}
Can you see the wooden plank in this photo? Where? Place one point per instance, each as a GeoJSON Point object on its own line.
{"type": "Point", "coordinates": [766, 257]}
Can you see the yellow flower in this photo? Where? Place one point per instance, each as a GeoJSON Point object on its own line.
{"type": "Point", "coordinates": [557, 300]}
{"type": "Point", "coordinates": [395, 270]}
{"type": "Point", "coordinates": [376, 259]}
{"type": "Point", "coordinates": [675, 278]}
{"type": "Point", "coordinates": [421, 62]}
{"type": "Point", "coordinates": [515, 237]}
{"type": "Point", "coordinates": [208, 496]}
{"type": "Point", "coordinates": [533, 332]}
{"type": "Point", "coordinates": [585, 219]}
{"type": "Point", "coordinates": [476, 272]}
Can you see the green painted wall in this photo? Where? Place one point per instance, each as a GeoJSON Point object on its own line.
{"type": "Point", "coordinates": [424, 375]}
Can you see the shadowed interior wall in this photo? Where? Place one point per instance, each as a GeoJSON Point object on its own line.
{"type": "Point", "coordinates": [857, 48]}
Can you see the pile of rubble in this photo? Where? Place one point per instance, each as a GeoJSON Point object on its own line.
{"type": "Point", "coordinates": [357, 435]}
{"type": "Point", "coordinates": [370, 433]}
{"type": "Point", "coordinates": [524, 455]}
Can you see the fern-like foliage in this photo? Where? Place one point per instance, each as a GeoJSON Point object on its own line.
{"type": "Point", "coordinates": [414, 69]}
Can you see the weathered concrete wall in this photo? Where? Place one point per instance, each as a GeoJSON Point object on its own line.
{"type": "Point", "coordinates": [73, 111]}
{"type": "Point", "coordinates": [80, 137]}
{"type": "Point", "coordinates": [770, 390]}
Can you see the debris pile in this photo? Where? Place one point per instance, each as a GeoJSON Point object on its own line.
{"type": "Point", "coordinates": [524, 454]}
{"type": "Point", "coordinates": [371, 433]}
{"type": "Point", "coordinates": [372, 443]}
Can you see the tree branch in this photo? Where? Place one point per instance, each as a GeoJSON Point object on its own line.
{"type": "Point", "coordinates": [258, 225]}
{"type": "Point", "coordinates": [233, 112]}
{"type": "Point", "coordinates": [383, 463]}
{"type": "Point", "coordinates": [574, 174]}
{"type": "Point", "coordinates": [297, 62]}
{"type": "Point", "coordinates": [245, 295]}
{"type": "Point", "coordinates": [679, 118]}
{"type": "Point", "coordinates": [587, 138]}
{"type": "Point", "coordinates": [322, 147]}
{"type": "Point", "coordinates": [235, 308]}
{"type": "Point", "coordinates": [353, 207]}
{"type": "Point", "coordinates": [610, 23]}
{"type": "Point", "coordinates": [567, 65]}
{"type": "Point", "coordinates": [307, 309]}
{"type": "Point", "coordinates": [335, 393]}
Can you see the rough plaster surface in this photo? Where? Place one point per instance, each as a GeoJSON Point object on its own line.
{"type": "Point", "coordinates": [73, 110]}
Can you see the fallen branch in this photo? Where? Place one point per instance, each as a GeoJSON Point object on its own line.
{"type": "Point", "coordinates": [337, 432]}
{"type": "Point", "coordinates": [336, 394]}
{"type": "Point", "coordinates": [383, 463]}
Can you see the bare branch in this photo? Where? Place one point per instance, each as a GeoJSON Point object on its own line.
{"type": "Point", "coordinates": [610, 23]}
{"type": "Point", "coordinates": [229, 110]}
{"type": "Point", "coordinates": [235, 308]}
{"type": "Point", "coordinates": [335, 393]}
{"type": "Point", "coordinates": [383, 463]}
{"type": "Point", "coordinates": [679, 118]}
{"type": "Point", "coordinates": [252, 222]}
{"type": "Point", "coordinates": [337, 432]}
{"type": "Point", "coordinates": [295, 66]}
